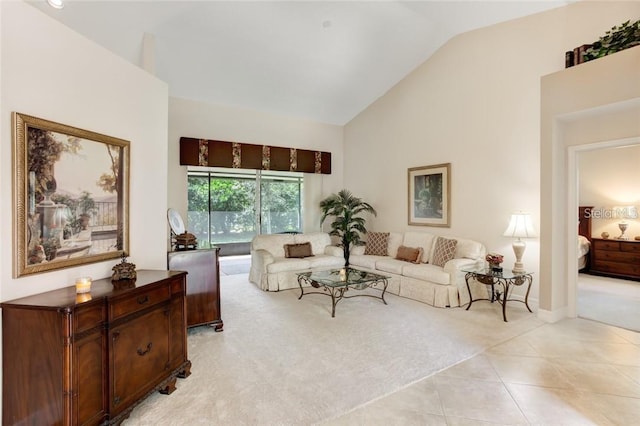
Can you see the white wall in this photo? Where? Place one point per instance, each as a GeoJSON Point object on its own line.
{"type": "Point", "coordinates": [51, 72]}
{"type": "Point", "coordinates": [609, 178]}
{"type": "Point", "coordinates": [575, 119]}
{"type": "Point", "coordinates": [195, 119]}
{"type": "Point", "coordinates": [475, 104]}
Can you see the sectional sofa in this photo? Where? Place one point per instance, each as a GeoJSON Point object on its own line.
{"type": "Point", "coordinates": [420, 265]}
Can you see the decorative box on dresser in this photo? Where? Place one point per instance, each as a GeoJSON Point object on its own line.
{"type": "Point", "coordinates": [89, 359]}
{"type": "Point", "coordinates": [203, 284]}
{"type": "Point", "coordinates": [615, 258]}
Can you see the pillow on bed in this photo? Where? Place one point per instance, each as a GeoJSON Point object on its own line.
{"type": "Point", "coordinates": [297, 250]}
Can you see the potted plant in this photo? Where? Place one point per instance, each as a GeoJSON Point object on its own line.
{"type": "Point", "coordinates": [616, 39]}
{"type": "Point", "coordinates": [86, 207]}
{"type": "Point", "coordinates": [347, 224]}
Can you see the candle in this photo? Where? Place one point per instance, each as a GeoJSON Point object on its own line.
{"type": "Point", "coordinates": [343, 274]}
{"type": "Point", "coordinates": [83, 285]}
{"type": "Point", "coordinates": [83, 297]}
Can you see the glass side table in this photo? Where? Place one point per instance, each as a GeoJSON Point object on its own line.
{"type": "Point", "coordinates": [501, 284]}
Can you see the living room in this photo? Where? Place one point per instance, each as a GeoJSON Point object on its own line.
{"type": "Point", "coordinates": [477, 103]}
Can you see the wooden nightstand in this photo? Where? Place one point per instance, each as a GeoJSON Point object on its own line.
{"type": "Point", "coordinates": [615, 258]}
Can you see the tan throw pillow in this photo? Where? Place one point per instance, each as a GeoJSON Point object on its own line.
{"type": "Point", "coordinates": [298, 250]}
{"type": "Point", "coordinates": [444, 251]}
{"type": "Point", "coordinates": [377, 243]}
{"type": "Point", "coordinates": [409, 254]}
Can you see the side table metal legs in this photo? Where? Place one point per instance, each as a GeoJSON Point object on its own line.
{"type": "Point", "coordinates": [505, 283]}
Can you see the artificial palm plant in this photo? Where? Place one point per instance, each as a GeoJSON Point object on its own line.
{"type": "Point", "coordinates": [347, 224]}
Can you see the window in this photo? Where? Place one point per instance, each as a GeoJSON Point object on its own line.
{"type": "Point", "coordinates": [223, 204]}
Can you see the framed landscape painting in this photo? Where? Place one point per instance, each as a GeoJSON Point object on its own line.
{"type": "Point", "coordinates": [71, 196]}
{"type": "Point", "coordinates": [430, 195]}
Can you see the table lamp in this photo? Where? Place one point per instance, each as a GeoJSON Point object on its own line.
{"type": "Point", "coordinates": [519, 227]}
{"type": "Point", "coordinates": [625, 212]}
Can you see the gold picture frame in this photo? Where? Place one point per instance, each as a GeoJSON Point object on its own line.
{"type": "Point", "coordinates": [71, 196]}
{"type": "Point", "coordinates": [430, 195]}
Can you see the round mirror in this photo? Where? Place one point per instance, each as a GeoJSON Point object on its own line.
{"type": "Point", "coordinates": [175, 221]}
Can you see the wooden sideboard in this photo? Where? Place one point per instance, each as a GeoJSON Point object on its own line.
{"type": "Point", "coordinates": [203, 284]}
{"type": "Point", "coordinates": [615, 258]}
{"type": "Point", "coordinates": [89, 359]}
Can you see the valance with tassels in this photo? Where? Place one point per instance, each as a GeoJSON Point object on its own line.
{"type": "Point", "coordinates": [212, 153]}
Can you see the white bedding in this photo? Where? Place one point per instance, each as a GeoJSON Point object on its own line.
{"type": "Point", "coordinates": [583, 251]}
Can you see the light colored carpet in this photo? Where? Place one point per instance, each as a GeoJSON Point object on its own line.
{"type": "Point", "coordinates": [234, 265]}
{"type": "Point", "coordinates": [610, 301]}
{"type": "Point", "coordinates": [284, 361]}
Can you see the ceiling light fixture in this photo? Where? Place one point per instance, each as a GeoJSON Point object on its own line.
{"type": "Point", "coordinates": [56, 4]}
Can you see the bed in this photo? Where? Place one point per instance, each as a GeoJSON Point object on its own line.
{"type": "Point", "coordinates": [584, 237]}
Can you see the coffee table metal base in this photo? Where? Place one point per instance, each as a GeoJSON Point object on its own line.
{"type": "Point", "coordinates": [337, 292]}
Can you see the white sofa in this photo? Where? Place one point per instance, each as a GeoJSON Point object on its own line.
{"type": "Point", "coordinates": [439, 286]}
{"type": "Point", "coordinates": [272, 271]}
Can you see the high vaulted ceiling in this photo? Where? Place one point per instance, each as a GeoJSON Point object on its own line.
{"type": "Point", "coordinates": [325, 61]}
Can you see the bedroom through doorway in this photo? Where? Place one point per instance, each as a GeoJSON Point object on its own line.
{"type": "Point", "coordinates": [608, 182]}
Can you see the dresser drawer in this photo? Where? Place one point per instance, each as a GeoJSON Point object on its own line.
{"type": "Point", "coordinates": [617, 268]}
{"type": "Point", "coordinates": [89, 316]}
{"type": "Point", "coordinates": [630, 247]}
{"type": "Point", "coordinates": [618, 256]}
{"type": "Point", "coordinates": [139, 301]}
{"type": "Point", "coordinates": [606, 245]}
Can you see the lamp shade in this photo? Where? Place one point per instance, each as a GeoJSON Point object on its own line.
{"type": "Point", "coordinates": [520, 226]}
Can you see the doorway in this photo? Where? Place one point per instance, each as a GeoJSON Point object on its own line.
{"type": "Point", "coordinates": [608, 300]}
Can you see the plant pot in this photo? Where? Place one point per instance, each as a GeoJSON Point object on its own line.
{"type": "Point", "coordinates": [84, 221]}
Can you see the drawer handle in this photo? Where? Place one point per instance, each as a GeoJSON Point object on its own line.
{"type": "Point", "coordinates": [142, 352]}
{"type": "Point", "coordinates": [142, 300]}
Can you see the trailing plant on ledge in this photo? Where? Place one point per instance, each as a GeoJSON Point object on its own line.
{"type": "Point", "coordinates": [615, 40]}
{"type": "Point", "coordinates": [347, 225]}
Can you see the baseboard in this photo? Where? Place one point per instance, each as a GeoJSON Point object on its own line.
{"type": "Point", "coordinates": [552, 316]}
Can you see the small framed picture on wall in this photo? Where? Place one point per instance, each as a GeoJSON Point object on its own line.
{"type": "Point", "coordinates": [430, 195]}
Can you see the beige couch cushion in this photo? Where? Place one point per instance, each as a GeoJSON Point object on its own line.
{"type": "Point", "coordinates": [395, 241]}
{"type": "Point", "coordinates": [431, 273]}
{"type": "Point", "coordinates": [318, 240]}
{"type": "Point", "coordinates": [324, 261]}
{"type": "Point", "coordinates": [285, 265]}
{"type": "Point", "coordinates": [468, 249]}
{"type": "Point", "coordinates": [273, 243]}
{"type": "Point", "coordinates": [394, 266]}
{"type": "Point", "coordinates": [419, 239]}
{"type": "Point", "coordinates": [368, 261]}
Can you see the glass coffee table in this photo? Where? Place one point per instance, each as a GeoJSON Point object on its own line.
{"type": "Point", "coordinates": [336, 282]}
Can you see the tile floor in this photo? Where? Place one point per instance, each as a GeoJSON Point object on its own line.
{"type": "Point", "coordinates": [575, 372]}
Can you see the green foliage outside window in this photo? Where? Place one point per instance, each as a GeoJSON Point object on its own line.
{"type": "Point", "coordinates": [222, 209]}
